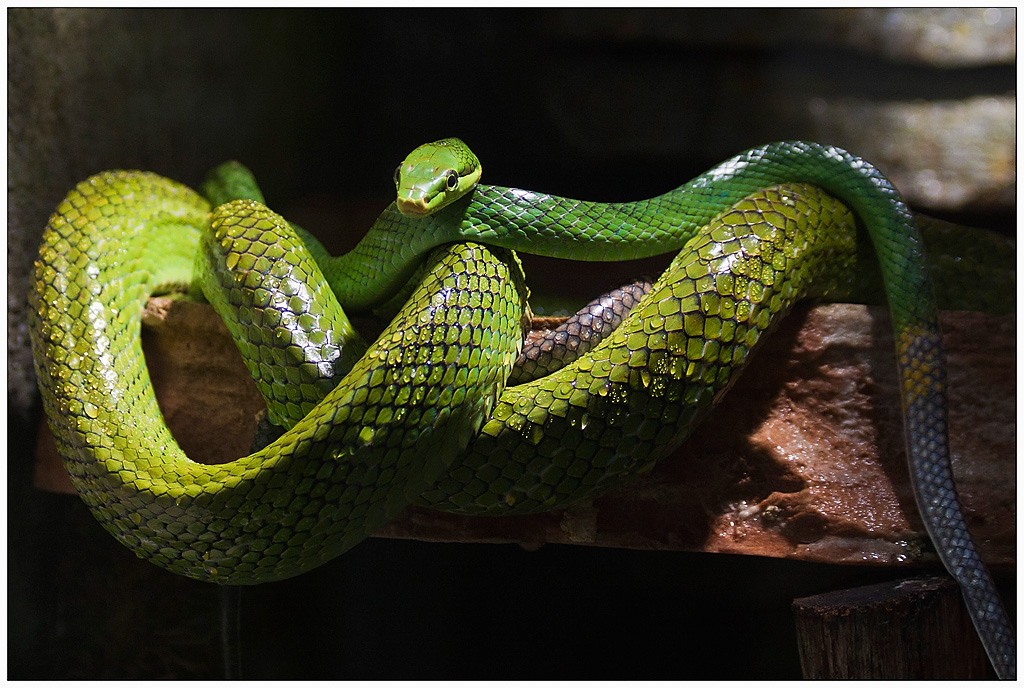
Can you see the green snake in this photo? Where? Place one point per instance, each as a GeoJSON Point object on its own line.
{"type": "Point", "coordinates": [423, 415]}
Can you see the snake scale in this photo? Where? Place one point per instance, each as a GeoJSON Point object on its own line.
{"type": "Point", "coordinates": [423, 414]}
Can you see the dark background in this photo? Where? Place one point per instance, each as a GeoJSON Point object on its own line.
{"type": "Point", "coordinates": [611, 105]}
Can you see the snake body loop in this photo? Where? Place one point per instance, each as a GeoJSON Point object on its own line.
{"type": "Point", "coordinates": [423, 415]}
{"type": "Point", "coordinates": [381, 437]}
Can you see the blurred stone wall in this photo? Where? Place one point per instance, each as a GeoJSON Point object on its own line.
{"type": "Point", "coordinates": [927, 94]}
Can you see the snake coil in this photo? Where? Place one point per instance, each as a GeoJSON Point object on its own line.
{"type": "Point", "coordinates": [424, 415]}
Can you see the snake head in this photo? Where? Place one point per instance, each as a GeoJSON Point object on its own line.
{"type": "Point", "coordinates": [434, 175]}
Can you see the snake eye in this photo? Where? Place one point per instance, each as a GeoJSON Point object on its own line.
{"type": "Point", "coordinates": [452, 181]}
{"type": "Point", "coordinates": [398, 175]}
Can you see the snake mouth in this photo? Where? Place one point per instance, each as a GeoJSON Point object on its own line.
{"type": "Point", "coordinates": [413, 208]}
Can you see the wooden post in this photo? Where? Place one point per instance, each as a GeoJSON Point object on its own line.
{"type": "Point", "coordinates": [915, 628]}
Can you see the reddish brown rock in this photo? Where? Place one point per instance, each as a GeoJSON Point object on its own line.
{"type": "Point", "coordinates": [803, 459]}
